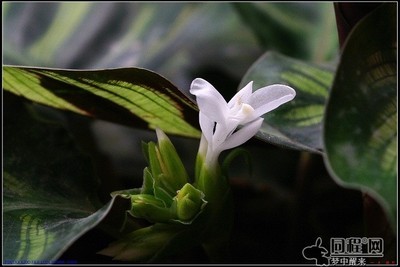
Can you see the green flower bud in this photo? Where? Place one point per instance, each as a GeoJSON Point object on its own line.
{"type": "Point", "coordinates": [154, 162]}
{"type": "Point", "coordinates": [170, 162]}
{"type": "Point", "coordinates": [189, 202]}
{"type": "Point", "coordinates": [150, 208]}
{"type": "Point", "coordinates": [166, 169]}
{"type": "Point", "coordinates": [148, 182]}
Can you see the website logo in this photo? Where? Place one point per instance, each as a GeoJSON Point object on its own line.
{"type": "Point", "coordinates": [345, 251]}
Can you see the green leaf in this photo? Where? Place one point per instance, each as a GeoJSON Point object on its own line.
{"type": "Point", "coordinates": [40, 231]}
{"type": "Point", "coordinates": [298, 123]}
{"type": "Point", "coordinates": [49, 190]}
{"type": "Point", "coordinates": [360, 131]}
{"type": "Point", "coordinates": [132, 96]}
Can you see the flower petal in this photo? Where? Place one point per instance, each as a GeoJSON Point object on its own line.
{"type": "Point", "coordinates": [242, 135]}
{"type": "Point", "coordinates": [209, 100]}
{"type": "Point", "coordinates": [220, 135]}
{"type": "Point", "coordinates": [270, 97]}
{"type": "Point", "coordinates": [242, 96]}
{"type": "Point", "coordinates": [207, 126]}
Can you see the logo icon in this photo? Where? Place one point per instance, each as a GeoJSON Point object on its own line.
{"type": "Point", "coordinates": [317, 252]}
{"type": "Point", "coordinates": [345, 251]}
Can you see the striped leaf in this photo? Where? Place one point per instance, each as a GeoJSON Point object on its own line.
{"type": "Point", "coordinates": [361, 117]}
{"type": "Point", "coordinates": [298, 123]}
{"type": "Point", "coordinates": [132, 96]}
{"type": "Point", "coordinates": [40, 232]}
{"type": "Point", "coordinates": [48, 190]}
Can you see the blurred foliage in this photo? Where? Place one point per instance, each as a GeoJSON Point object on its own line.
{"type": "Point", "coordinates": [172, 39]}
{"type": "Point", "coordinates": [299, 30]}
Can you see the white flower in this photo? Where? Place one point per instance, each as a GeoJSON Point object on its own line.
{"type": "Point", "coordinates": [219, 119]}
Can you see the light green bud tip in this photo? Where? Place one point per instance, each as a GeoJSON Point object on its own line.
{"type": "Point", "coordinates": [189, 202]}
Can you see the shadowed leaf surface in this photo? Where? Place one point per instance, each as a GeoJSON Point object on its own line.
{"type": "Point", "coordinates": [360, 133]}
{"type": "Point", "coordinates": [49, 194]}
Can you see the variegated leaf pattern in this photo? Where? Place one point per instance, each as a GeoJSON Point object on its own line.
{"type": "Point", "coordinates": [360, 133]}
{"type": "Point", "coordinates": [134, 97]}
{"type": "Point", "coordinates": [298, 123]}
